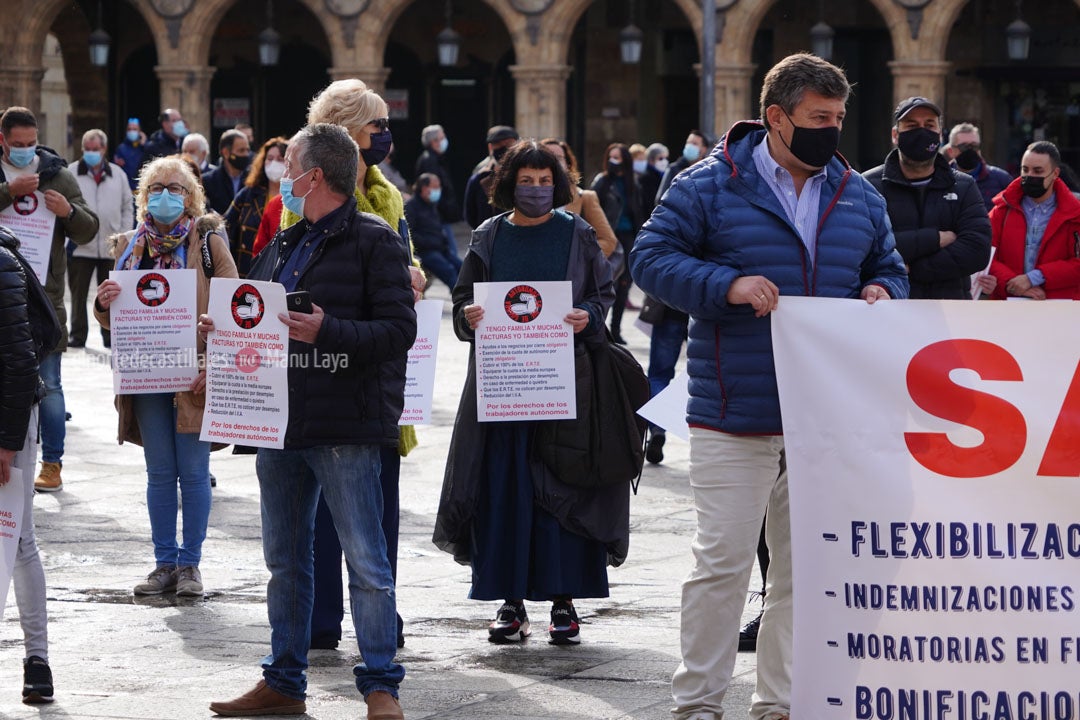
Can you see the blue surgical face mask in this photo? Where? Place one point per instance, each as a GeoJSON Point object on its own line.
{"type": "Point", "coordinates": [133, 135]}
{"type": "Point", "coordinates": [292, 203]}
{"type": "Point", "coordinates": [435, 195]}
{"type": "Point", "coordinates": [443, 144]}
{"type": "Point", "coordinates": [640, 165]}
{"type": "Point", "coordinates": [179, 129]}
{"type": "Point", "coordinates": [691, 152]}
{"type": "Point", "coordinates": [21, 157]}
{"type": "Point", "coordinates": [92, 158]}
{"type": "Point", "coordinates": [166, 207]}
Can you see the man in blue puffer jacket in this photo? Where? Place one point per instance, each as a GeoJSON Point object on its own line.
{"type": "Point", "coordinates": [774, 210]}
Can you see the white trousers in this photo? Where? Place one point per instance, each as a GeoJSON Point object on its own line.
{"type": "Point", "coordinates": [734, 479]}
{"type": "Point", "coordinates": [28, 576]}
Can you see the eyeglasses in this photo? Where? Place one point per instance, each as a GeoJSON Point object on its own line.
{"type": "Point", "coordinates": [173, 188]}
{"type": "Point", "coordinates": [382, 123]}
{"type": "Point", "coordinates": [967, 146]}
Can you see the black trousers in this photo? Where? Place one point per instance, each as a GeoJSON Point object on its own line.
{"type": "Point", "coordinates": [80, 270]}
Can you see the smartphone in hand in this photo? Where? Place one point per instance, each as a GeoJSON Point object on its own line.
{"type": "Point", "coordinates": [299, 301]}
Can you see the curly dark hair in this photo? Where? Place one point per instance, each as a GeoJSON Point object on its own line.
{"type": "Point", "coordinates": [528, 154]}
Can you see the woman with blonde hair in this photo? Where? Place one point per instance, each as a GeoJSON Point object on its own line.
{"type": "Point", "coordinates": [171, 235]}
{"type": "Point", "coordinates": [354, 106]}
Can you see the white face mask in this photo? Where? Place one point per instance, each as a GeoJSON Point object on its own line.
{"type": "Point", "coordinates": [661, 164]}
{"type": "Point", "coordinates": [275, 170]}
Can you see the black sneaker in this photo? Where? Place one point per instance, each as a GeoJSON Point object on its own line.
{"type": "Point", "coordinates": [748, 634]}
{"type": "Point", "coordinates": [37, 681]}
{"type": "Point", "coordinates": [654, 451]}
{"type": "Point", "coordinates": [564, 628]}
{"type": "Point", "coordinates": [511, 623]}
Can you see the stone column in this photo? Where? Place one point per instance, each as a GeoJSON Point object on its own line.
{"type": "Point", "coordinates": [188, 90]}
{"type": "Point", "coordinates": [374, 77]}
{"type": "Point", "coordinates": [21, 86]}
{"type": "Point", "coordinates": [541, 99]}
{"type": "Point", "coordinates": [733, 101]}
{"type": "Point", "coordinates": [919, 77]}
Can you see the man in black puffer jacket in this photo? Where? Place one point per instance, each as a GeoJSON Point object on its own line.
{"type": "Point", "coordinates": [939, 220]}
{"type": "Point", "coordinates": [346, 393]}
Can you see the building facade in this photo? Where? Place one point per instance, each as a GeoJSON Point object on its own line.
{"type": "Point", "coordinates": [550, 67]}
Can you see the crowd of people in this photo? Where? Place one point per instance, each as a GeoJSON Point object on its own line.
{"type": "Point", "coordinates": [713, 238]}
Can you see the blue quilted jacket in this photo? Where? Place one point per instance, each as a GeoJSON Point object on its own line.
{"type": "Point", "coordinates": [719, 221]}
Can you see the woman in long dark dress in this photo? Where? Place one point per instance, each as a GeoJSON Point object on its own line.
{"type": "Point", "coordinates": [497, 511]}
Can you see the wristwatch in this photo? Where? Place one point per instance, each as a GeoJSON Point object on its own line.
{"type": "Point", "coordinates": [71, 214]}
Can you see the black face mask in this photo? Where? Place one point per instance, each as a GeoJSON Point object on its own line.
{"type": "Point", "coordinates": [813, 146]}
{"type": "Point", "coordinates": [919, 144]}
{"type": "Point", "coordinates": [614, 168]}
{"type": "Point", "coordinates": [499, 153]}
{"type": "Point", "coordinates": [969, 159]}
{"type": "Point", "coordinates": [1033, 186]}
{"type": "Point", "coordinates": [380, 148]}
{"type": "Point", "coordinates": [240, 162]}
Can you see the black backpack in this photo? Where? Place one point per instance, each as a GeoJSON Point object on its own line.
{"type": "Point", "coordinates": [45, 328]}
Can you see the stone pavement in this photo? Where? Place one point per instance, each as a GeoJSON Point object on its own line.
{"type": "Point", "coordinates": [115, 656]}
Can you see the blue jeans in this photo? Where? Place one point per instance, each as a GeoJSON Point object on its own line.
{"type": "Point", "coordinates": [53, 411]}
{"type": "Point", "coordinates": [668, 337]}
{"type": "Point", "coordinates": [327, 612]}
{"type": "Point", "coordinates": [173, 457]}
{"type": "Point", "coordinates": [451, 241]}
{"type": "Point", "coordinates": [290, 481]}
{"type": "Point", "coordinates": [444, 265]}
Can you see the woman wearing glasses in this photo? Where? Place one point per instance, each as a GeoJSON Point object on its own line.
{"type": "Point", "coordinates": [358, 109]}
{"type": "Point", "coordinates": [170, 235]}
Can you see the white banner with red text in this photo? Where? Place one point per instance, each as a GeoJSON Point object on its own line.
{"type": "Point", "coordinates": [933, 454]}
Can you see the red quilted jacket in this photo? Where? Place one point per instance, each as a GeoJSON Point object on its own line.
{"type": "Point", "coordinates": [1059, 252]}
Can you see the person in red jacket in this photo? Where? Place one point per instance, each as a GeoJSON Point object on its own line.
{"type": "Point", "coordinates": [1036, 230]}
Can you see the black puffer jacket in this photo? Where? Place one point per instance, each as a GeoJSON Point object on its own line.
{"type": "Point", "coordinates": [18, 362]}
{"type": "Point", "coordinates": [951, 201]}
{"type": "Point", "coordinates": [359, 276]}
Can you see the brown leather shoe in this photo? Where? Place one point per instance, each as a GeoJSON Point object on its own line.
{"type": "Point", "coordinates": [263, 700]}
{"type": "Point", "coordinates": [381, 705]}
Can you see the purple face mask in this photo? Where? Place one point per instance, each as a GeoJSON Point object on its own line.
{"type": "Point", "coordinates": [534, 201]}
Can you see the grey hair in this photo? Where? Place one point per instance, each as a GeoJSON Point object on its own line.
{"type": "Point", "coordinates": [963, 128]}
{"type": "Point", "coordinates": [429, 133]}
{"type": "Point", "coordinates": [95, 134]}
{"type": "Point", "coordinates": [196, 140]}
{"type": "Point", "coordinates": [654, 151]}
{"type": "Point", "coordinates": [329, 148]}
{"type": "Point", "coordinates": [790, 78]}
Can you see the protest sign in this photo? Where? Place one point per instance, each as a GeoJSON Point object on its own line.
{"type": "Point", "coordinates": [152, 322]}
{"type": "Point", "coordinates": [420, 371]}
{"type": "Point", "coordinates": [932, 453]}
{"type": "Point", "coordinates": [12, 497]}
{"type": "Point", "coordinates": [247, 356]}
{"type": "Point", "coordinates": [524, 352]}
{"type": "Point", "coordinates": [33, 224]}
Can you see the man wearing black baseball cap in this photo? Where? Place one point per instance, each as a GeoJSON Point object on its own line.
{"type": "Point", "coordinates": [937, 213]}
{"type": "Point", "coordinates": [500, 138]}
